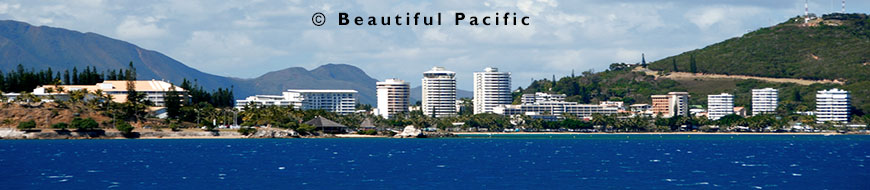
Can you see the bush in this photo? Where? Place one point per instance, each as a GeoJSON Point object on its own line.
{"type": "Point", "coordinates": [247, 130]}
{"type": "Point", "coordinates": [27, 125]}
{"type": "Point", "coordinates": [173, 126]}
{"type": "Point", "coordinates": [61, 126]}
{"type": "Point", "coordinates": [124, 127]}
{"type": "Point", "coordinates": [84, 124]}
{"type": "Point", "coordinates": [368, 132]}
{"type": "Point", "coordinates": [305, 128]}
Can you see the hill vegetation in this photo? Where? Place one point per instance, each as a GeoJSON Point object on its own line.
{"type": "Point", "coordinates": [833, 47]}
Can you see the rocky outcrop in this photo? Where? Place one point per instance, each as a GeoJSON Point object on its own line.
{"type": "Point", "coordinates": [410, 132]}
{"type": "Point", "coordinates": [274, 133]}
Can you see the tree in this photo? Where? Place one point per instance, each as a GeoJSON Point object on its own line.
{"type": "Point", "coordinates": [674, 61]}
{"type": "Point", "coordinates": [27, 125]}
{"type": "Point", "coordinates": [247, 130]}
{"type": "Point", "coordinates": [692, 64]}
{"type": "Point", "coordinates": [61, 126]}
{"type": "Point", "coordinates": [305, 129]}
{"type": "Point", "coordinates": [172, 101]}
{"type": "Point", "coordinates": [125, 128]}
{"type": "Point", "coordinates": [84, 124]}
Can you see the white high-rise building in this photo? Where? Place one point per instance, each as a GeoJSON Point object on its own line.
{"type": "Point", "coordinates": [491, 89]}
{"type": "Point", "coordinates": [764, 101]}
{"type": "Point", "coordinates": [832, 105]}
{"type": "Point", "coordinates": [338, 101]}
{"type": "Point", "coordinates": [719, 105]}
{"type": "Point", "coordinates": [439, 92]}
{"type": "Point", "coordinates": [393, 97]}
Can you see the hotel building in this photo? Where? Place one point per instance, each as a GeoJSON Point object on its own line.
{"type": "Point", "coordinates": [393, 97]}
{"type": "Point", "coordinates": [154, 90]}
{"type": "Point", "coordinates": [542, 97]}
{"type": "Point", "coordinates": [554, 107]}
{"type": "Point", "coordinates": [764, 101]}
{"type": "Point", "coordinates": [491, 89]}
{"type": "Point", "coordinates": [832, 105]}
{"type": "Point", "coordinates": [672, 104]}
{"type": "Point", "coordinates": [439, 92]}
{"type": "Point", "coordinates": [719, 105]}
{"type": "Point", "coordinates": [338, 101]}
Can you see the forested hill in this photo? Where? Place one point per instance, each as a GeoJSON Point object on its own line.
{"type": "Point", "coordinates": [834, 47]}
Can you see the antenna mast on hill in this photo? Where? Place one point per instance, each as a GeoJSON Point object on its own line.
{"type": "Point", "coordinates": [806, 11]}
{"type": "Point", "coordinates": [844, 7]}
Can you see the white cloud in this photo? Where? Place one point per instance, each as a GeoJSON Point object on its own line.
{"type": "Point", "coordinates": [132, 28]}
{"type": "Point", "coordinates": [6, 7]}
{"type": "Point", "coordinates": [707, 16]}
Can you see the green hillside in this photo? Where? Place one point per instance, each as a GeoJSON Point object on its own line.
{"type": "Point", "coordinates": [619, 83]}
{"type": "Point", "coordinates": [837, 46]}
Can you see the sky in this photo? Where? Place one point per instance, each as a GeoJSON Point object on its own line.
{"type": "Point", "coordinates": [246, 38]}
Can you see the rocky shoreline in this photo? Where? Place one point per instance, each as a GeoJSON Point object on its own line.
{"type": "Point", "coordinates": [12, 133]}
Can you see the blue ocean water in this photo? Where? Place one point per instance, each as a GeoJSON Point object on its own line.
{"type": "Point", "coordinates": [471, 162]}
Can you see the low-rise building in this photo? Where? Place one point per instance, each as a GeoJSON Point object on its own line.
{"type": "Point", "coordinates": [154, 90]}
{"type": "Point", "coordinates": [338, 101]}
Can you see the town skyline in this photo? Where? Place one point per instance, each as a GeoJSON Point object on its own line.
{"type": "Point", "coordinates": [564, 35]}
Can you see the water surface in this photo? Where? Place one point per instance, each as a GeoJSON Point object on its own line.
{"type": "Point", "coordinates": [498, 162]}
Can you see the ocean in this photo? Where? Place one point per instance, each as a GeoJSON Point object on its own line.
{"type": "Point", "coordinates": [597, 161]}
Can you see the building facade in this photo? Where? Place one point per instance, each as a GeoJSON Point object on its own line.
{"type": "Point", "coordinates": [539, 97]}
{"type": "Point", "coordinates": [670, 105]}
{"type": "Point", "coordinates": [338, 101]}
{"type": "Point", "coordinates": [764, 101]}
{"type": "Point", "coordinates": [832, 105]}
{"type": "Point", "coordinates": [555, 109]}
{"type": "Point", "coordinates": [491, 89]}
{"type": "Point", "coordinates": [719, 105]}
{"type": "Point", "coordinates": [393, 97]}
{"type": "Point", "coordinates": [154, 90]}
{"type": "Point", "coordinates": [439, 93]}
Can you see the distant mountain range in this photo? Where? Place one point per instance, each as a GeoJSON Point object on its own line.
{"type": "Point", "coordinates": [41, 47]}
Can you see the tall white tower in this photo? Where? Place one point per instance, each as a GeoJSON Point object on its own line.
{"type": "Point", "coordinates": [439, 92]}
{"type": "Point", "coordinates": [491, 89]}
{"type": "Point", "coordinates": [393, 95]}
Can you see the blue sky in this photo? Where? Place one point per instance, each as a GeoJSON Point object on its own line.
{"type": "Point", "coordinates": [248, 38]}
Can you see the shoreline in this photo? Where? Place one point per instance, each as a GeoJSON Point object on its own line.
{"type": "Point", "coordinates": [644, 133]}
{"type": "Point", "coordinates": [12, 134]}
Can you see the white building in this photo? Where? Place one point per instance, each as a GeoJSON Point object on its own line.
{"type": "Point", "coordinates": [338, 101]}
{"type": "Point", "coordinates": [538, 97]}
{"type": "Point", "coordinates": [544, 104]}
{"type": "Point", "coordinates": [491, 88]}
{"type": "Point", "coordinates": [393, 97]}
{"type": "Point", "coordinates": [672, 104]}
{"type": "Point", "coordinates": [439, 92]}
{"type": "Point", "coordinates": [832, 105]}
{"type": "Point", "coordinates": [154, 90]}
{"type": "Point", "coordinates": [764, 101]}
{"type": "Point", "coordinates": [555, 109]}
{"type": "Point", "coordinates": [719, 105]}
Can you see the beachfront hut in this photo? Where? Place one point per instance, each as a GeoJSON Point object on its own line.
{"type": "Point", "coordinates": [367, 124]}
{"type": "Point", "coordinates": [326, 125]}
